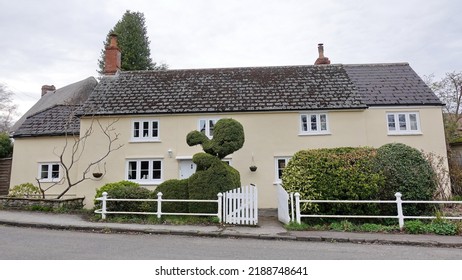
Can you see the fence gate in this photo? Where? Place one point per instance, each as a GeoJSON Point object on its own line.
{"type": "Point", "coordinates": [240, 206]}
{"type": "Point", "coordinates": [284, 215]}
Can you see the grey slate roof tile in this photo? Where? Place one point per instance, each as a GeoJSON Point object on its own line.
{"type": "Point", "coordinates": [224, 90]}
{"type": "Point", "coordinates": [390, 84]}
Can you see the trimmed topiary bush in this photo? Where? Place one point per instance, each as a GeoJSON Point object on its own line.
{"type": "Point", "coordinates": [173, 189]}
{"type": "Point", "coordinates": [213, 175]}
{"type": "Point", "coordinates": [126, 189]}
{"type": "Point", "coordinates": [26, 190]}
{"type": "Point", "coordinates": [337, 174]}
{"type": "Point", "coordinates": [406, 171]}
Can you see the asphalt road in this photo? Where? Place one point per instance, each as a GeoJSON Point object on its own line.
{"type": "Point", "coordinates": [32, 244]}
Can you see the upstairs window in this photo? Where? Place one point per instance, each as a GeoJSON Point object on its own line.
{"type": "Point", "coordinates": [49, 172]}
{"type": "Point", "coordinates": [147, 171]}
{"type": "Point", "coordinates": [145, 130]}
{"type": "Point", "coordinates": [314, 123]}
{"type": "Point", "coordinates": [403, 123]}
{"type": "Point", "coordinates": [206, 126]}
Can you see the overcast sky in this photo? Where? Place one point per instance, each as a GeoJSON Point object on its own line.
{"type": "Point", "coordinates": [58, 42]}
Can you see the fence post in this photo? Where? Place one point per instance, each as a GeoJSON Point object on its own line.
{"type": "Point", "coordinates": [159, 205]}
{"type": "Point", "coordinates": [399, 204]}
{"type": "Point", "coordinates": [103, 208]}
{"type": "Point", "coordinates": [220, 208]}
{"type": "Point", "coordinates": [297, 208]}
{"type": "Point", "coordinates": [292, 216]}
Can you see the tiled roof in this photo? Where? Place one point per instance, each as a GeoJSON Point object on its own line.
{"type": "Point", "coordinates": [57, 120]}
{"type": "Point", "coordinates": [224, 90]}
{"type": "Point", "coordinates": [73, 94]}
{"type": "Point", "coordinates": [390, 84]}
{"type": "Point", "coordinates": [253, 89]}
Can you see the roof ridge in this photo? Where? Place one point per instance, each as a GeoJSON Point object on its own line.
{"type": "Point", "coordinates": [228, 68]}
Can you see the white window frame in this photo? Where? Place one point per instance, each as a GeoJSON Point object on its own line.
{"type": "Point", "coordinates": [50, 171]}
{"type": "Point", "coordinates": [277, 178]}
{"type": "Point", "coordinates": [320, 128]}
{"type": "Point", "coordinates": [399, 122]}
{"type": "Point", "coordinates": [148, 180]}
{"type": "Point", "coordinates": [142, 137]}
{"type": "Point", "coordinates": [207, 126]}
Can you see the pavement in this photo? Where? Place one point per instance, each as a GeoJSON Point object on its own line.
{"type": "Point", "coordinates": [268, 228]}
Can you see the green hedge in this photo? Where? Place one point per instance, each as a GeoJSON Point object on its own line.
{"type": "Point", "coordinates": [207, 182]}
{"type": "Point", "coordinates": [6, 146]}
{"type": "Point", "coordinates": [174, 189]}
{"type": "Point", "coordinates": [337, 174]}
{"type": "Point", "coordinates": [406, 171]}
{"type": "Point", "coordinates": [362, 174]}
{"type": "Point", "coordinates": [126, 189]}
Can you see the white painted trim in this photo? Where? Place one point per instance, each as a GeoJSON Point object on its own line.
{"type": "Point", "coordinates": [134, 139]}
{"type": "Point", "coordinates": [138, 174]}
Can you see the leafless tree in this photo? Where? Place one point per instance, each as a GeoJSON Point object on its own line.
{"type": "Point", "coordinates": [449, 90]}
{"type": "Point", "coordinates": [74, 148]}
{"type": "Point", "coordinates": [7, 109]}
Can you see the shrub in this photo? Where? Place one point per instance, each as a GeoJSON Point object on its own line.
{"type": "Point", "coordinates": [207, 182]}
{"type": "Point", "coordinates": [126, 189]}
{"type": "Point", "coordinates": [340, 173]}
{"type": "Point", "coordinates": [415, 227]}
{"type": "Point", "coordinates": [212, 175]}
{"type": "Point", "coordinates": [406, 171]}
{"type": "Point", "coordinates": [173, 189]}
{"type": "Point", "coordinates": [6, 146]}
{"type": "Point", "coordinates": [443, 227]}
{"type": "Point", "coordinates": [26, 190]}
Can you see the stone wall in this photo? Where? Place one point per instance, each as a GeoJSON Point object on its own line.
{"type": "Point", "coordinates": [5, 172]}
{"type": "Point", "coordinates": [31, 203]}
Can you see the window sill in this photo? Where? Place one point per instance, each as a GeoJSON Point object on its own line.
{"type": "Point", "coordinates": [49, 180]}
{"type": "Point", "coordinates": [277, 183]}
{"type": "Point", "coordinates": [147, 182]}
{"type": "Point", "coordinates": [314, 134]}
{"type": "Point", "coordinates": [145, 141]}
{"type": "Point", "coordinates": [405, 133]}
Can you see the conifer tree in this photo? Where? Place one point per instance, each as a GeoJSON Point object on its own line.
{"type": "Point", "coordinates": [133, 42]}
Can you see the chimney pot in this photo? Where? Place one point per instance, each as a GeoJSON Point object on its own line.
{"type": "Point", "coordinates": [112, 60]}
{"type": "Point", "coordinates": [47, 88]}
{"type": "Point", "coordinates": [321, 59]}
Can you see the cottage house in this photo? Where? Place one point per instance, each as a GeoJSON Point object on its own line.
{"type": "Point", "coordinates": [283, 109]}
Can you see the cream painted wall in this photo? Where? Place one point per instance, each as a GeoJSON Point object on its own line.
{"type": "Point", "coordinates": [30, 152]}
{"type": "Point", "coordinates": [267, 135]}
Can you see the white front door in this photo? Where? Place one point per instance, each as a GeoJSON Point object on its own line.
{"type": "Point", "coordinates": [187, 168]}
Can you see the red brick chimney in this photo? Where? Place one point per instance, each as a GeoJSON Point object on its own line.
{"type": "Point", "coordinates": [321, 59]}
{"type": "Point", "coordinates": [113, 57]}
{"type": "Point", "coordinates": [47, 88]}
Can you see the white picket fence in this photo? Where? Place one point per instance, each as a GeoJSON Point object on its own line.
{"type": "Point", "coordinates": [238, 206]}
{"type": "Point", "coordinates": [287, 215]}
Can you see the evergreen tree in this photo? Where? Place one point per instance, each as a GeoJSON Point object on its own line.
{"type": "Point", "coordinates": [133, 43]}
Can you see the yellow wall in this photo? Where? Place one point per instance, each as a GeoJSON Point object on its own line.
{"type": "Point", "coordinates": [267, 135]}
{"type": "Point", "coordinates": [29, 152]}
